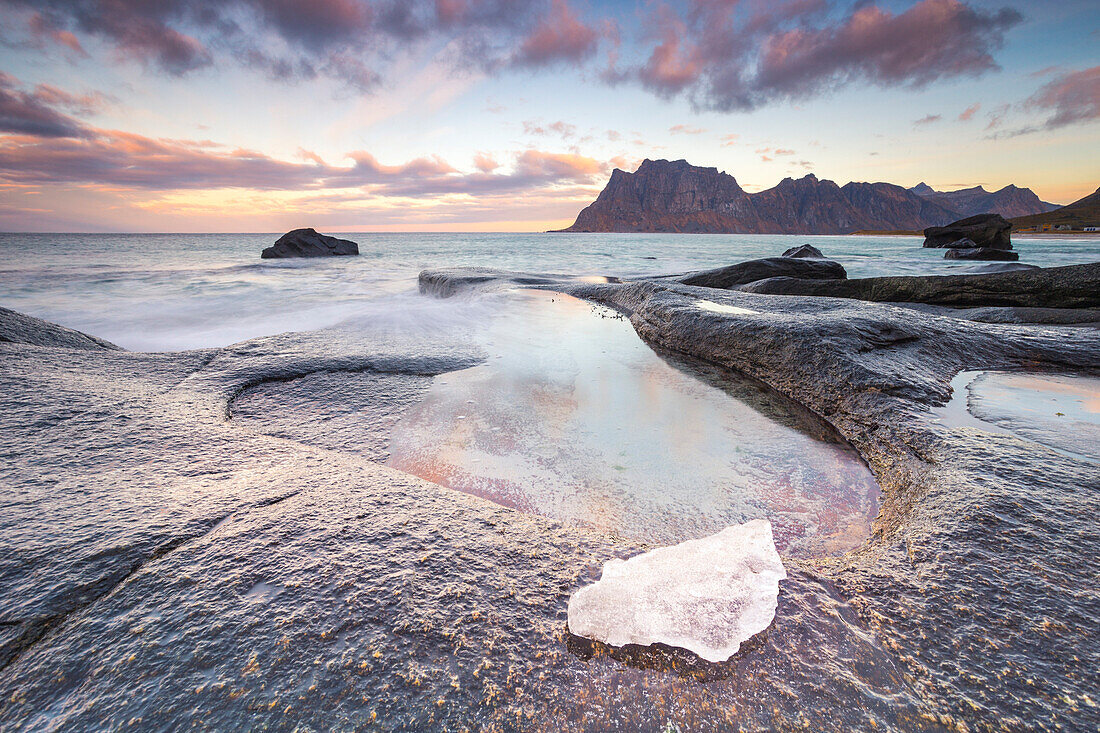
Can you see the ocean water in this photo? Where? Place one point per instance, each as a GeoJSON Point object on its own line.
{"type": "Point", "coordinates": [168, 292]}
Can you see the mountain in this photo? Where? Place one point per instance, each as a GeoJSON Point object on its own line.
{"type": "Point", "coordinates": [675, 196]}
{"type": "Point", "coordinates": [1010, 201]}
{"type": "Point", "coordinates": [1082, 213]}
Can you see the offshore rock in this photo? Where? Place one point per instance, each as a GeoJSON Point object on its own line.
{"type": "Point", "coordinates": [768, 267]}
{"type": "Point", "coordinates": [806, 251]}
{"type": "Point", "coordinates": [707, 596]}
{"type": "Point", "coordinates": [1073, 286]}
{"type": "Point", "coordinates": [980, 253]}
{"type": "Point", "coordinates": [308, 243]}
{"type": "Point", "coordinates": [984, 230]}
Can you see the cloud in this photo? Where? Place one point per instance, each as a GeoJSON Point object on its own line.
{"type": "Point", "coordinates": [347, 40]}
{"type": "Point", "coordinates": [927, 120]}
{"type": "Point", "coordinates": [725, 57]}
{"type": "Point", "coordinates": [560, 128]}
{"type": "Point", "coordinates": [558, 37]}
{"type": "Point", "coordinates": [686, 130]}
{"type": "Point", "coordinates": [485, 163]}
{"type": "Point", "coordinates": [127, 161]}
{"type": "Point", "coordinates": [968, 113]}
{"type": "Point", "coordinates": [1071, 98]}
{"type": "Point", "coordinates": [35, 113]}
{"type": "Point", "coordinates": [729, 140]}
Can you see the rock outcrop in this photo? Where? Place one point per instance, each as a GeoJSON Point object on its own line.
{"type": "Point", "coordinates": [1073, 286]}
{"type": "Point", "coordinates": [768, 267]}
{"type": "Point", "coordinates": [675, 196]}
{"type": "Point", "coordinates": [308, 243]}
{"type": "Point", "coordinates": [806, 251]}
{"type": "Point", "coordinates": [16, 328]}
{"type": "Point", "coordinates": [990, 231]}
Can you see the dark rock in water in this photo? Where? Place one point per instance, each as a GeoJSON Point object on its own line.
{"type": "Point", "coordinates": [308, 243]}
{"type": "Point", "coordinates": [963, 243]}
{"type": "Point", "coordinates": [16, 328]}
{"type": "Point", "coordinates": [753, 270]}
{"type": "Point", "coordinates": [980, 253]}
{"type": "Point", "coordinates": [984, 230]}
{"type": "Point", "coordinates": [806, 251]}
{"type": "Point", "coordinates": [1074, 286]}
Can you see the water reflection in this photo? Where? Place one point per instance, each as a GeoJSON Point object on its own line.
{"type": "Point", "coordinates": [573, 417]}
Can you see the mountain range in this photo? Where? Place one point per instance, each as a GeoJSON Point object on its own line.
{"type": "Point", "coordinates": [675, 196]}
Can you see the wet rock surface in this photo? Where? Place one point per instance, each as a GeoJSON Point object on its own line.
{"type": "Point", "coordinates": [161, 563]}
{"type": "Point", "coordinates": [1074, 286]}
{"type": "Point", "coordinates": [309, 243]}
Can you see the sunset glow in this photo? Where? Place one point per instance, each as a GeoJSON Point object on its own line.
{"type": "Point", "coordinates": [485, 115]}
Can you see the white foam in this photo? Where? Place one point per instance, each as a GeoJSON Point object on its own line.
{"type": "Point", "coordinates": [708, 595]}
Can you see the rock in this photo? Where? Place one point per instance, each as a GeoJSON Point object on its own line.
{"type": "Point", "coordinates": [981, 253]}
{"type": "Point", "coordinates": [1073, 286]}
{"type": "Point", "coordinates": [707, 596]}
{"type": "Point", "coordinates": [806, 251]}
{"type": "Point", "coordinates": [963, 243]}
{"type": "Point", "coordinates": [753, 270]}
{"type": "Point", "coordinates": [308, 243]}
{"type": "Point", "coordinates": [984, 230]}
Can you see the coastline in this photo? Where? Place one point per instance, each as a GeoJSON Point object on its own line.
{"type": "Point", "coordinates": [359, 573]}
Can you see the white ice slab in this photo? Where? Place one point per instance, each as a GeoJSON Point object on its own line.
{"type": "Point", "coordinates": [708, 595]}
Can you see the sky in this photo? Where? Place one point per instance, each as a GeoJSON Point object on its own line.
{"type": "Point", "coordinates": [509, 115]}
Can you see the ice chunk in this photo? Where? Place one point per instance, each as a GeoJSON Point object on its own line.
{"type": "Point", "coordinates": [707, 595]}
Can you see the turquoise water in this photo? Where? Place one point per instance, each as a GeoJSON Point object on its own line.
{"type": "Point", "coordinates": [166, 292]}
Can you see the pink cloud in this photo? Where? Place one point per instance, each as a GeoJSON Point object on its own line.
{"type": "Point", "coordinates": [485, 163]}
{"type": "Point", "coordinates": [725, 56]}
{"type": "Point", "coordinates": [686, 130]}
{"type": "Point", "coordinates": [559, 37]}
{"type": "Point", "coordinates": [968, 113]}
{"type": "Point", "coordinates": [927, 120]}
{"type": "Point", "coordinates": [1072, 97]}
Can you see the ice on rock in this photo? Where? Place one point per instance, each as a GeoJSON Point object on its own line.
{"type": "Point", "coordinates": [707, 595]}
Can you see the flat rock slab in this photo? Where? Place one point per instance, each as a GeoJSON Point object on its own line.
{"type": "Point", "coordinates": [753, 270]}
{"type": "Point", "coordinates": [707, 596]}
{"type": "Point", "coordinates": [1073, 286]}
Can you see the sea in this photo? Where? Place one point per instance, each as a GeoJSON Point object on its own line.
{"type": "Point", "coordinates": [171, 292]}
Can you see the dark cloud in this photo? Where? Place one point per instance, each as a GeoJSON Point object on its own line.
{"type": "Point", "coordinates": [727, 58]}
{"type": "Point", "coordinates": [295, 40]}
{"type": "Point", "coordinates": [1072, 97]}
